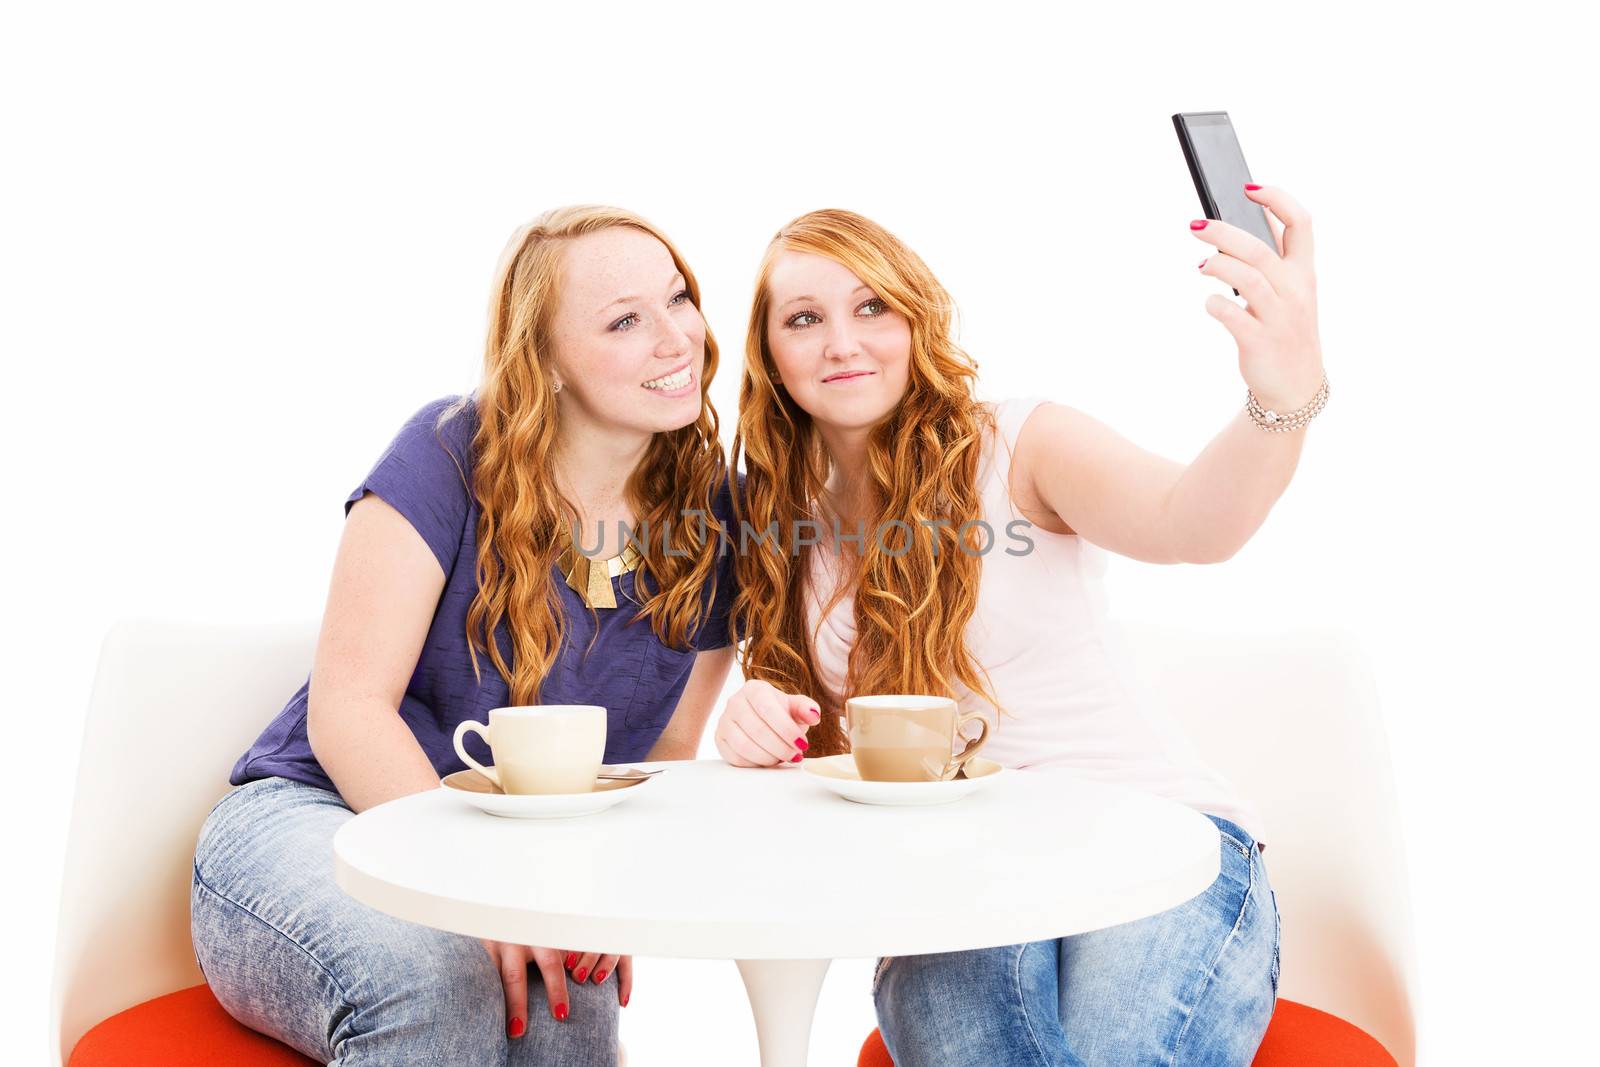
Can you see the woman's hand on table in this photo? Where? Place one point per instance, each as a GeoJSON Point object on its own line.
{"type": "Point", "coordinates": [762, 726]}
{"type": "Point", "coordinates": [512, 963]}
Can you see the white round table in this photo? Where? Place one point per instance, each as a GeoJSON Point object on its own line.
{"type": "Point", "coordinates": [767, 868]}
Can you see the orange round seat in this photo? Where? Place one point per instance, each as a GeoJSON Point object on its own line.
{"type": "Point", "coordinates": [183, 1029]}
{"type": "Point", "coordinates": [1298, 1036]}
{"type": "Point", "coordinates": [1302, 1036]}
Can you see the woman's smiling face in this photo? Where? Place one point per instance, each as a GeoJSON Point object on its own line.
{"type": "Point", "coordinates": [629, 344]}
{"type": "Point", "coordinates": [839, 350]}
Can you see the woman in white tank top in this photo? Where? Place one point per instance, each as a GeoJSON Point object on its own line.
{"type": "Point", "coordinates": [958, 550]}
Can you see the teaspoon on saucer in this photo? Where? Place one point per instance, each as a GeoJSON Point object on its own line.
{"type": "Point", "coordinates": [613, 774]}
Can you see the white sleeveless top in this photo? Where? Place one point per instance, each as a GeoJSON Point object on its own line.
{"type": "Point", "coordinates": [1055, 659]}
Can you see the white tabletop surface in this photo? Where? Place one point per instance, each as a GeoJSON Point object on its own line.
{"type": "Point", "coordinates": [717, 862]}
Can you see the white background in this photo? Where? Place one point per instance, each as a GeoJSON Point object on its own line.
{"type": "Point", "coordinates": [241, 246]}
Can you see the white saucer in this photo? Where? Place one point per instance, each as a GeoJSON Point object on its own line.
{"type": "Point", "coordinates": [838, 773]}
{"type": "Point", "coordinates": [484, 795]}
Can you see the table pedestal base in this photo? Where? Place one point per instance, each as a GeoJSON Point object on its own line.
{"type": "Point", "coordinates": [783, 997]}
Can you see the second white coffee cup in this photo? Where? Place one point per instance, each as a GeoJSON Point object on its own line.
{"type": "Point", "coordinates": [540, 748]}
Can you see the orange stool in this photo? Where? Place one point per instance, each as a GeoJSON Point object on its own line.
{"type": "Point", "coordinates": [183, 1029]}
{"type": "Point", "coordinates": [1298, 1036]}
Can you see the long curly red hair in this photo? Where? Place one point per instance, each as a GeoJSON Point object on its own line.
{"type": "Point", "coordinates": [911, 609]}
{"type": "Point", "coordinates": [523, 513]}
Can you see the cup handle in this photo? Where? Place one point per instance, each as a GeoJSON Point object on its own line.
{"type": "Point", "coordinates": [482, 731]}
{"type": "Point", "coordinates": [960, 759]}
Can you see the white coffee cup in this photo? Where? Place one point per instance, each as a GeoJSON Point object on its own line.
{"type": "Point", "coordinates": [540, 748]}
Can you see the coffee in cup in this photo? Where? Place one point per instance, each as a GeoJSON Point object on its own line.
{"type": "Point", "coordinates": [910, 738]}
{"type": "Point", "coordinates": [540, 748]}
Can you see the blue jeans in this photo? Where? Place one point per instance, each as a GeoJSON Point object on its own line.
{"type": "Point", "coordinates": [1193, 986]}
{"type": "Point", "coordinates": [288, 953]}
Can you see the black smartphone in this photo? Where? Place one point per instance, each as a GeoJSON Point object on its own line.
{"type": "Point", "coordinates": [1216, 163]}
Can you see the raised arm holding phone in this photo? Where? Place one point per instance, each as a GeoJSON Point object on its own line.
{"type": "Point", "coordinates": [857, 411]}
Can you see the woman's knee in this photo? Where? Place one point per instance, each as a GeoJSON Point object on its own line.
{"type": "Point", "coordinates": [940, 981]}
{"type": "Point", "coordinates": [290, 954]}
{"type": "Point", "coordinates": [597, 998]}
{"type": "Point", "coordinates": [412, 994]}
{"type": "Point", "coordinates": [941, 1007]}
{"type": "Point", "coordinates": [436, 972]}
{"type": "Point", "coordinates": [587, 1035]}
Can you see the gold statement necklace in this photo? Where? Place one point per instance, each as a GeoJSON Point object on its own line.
{"type": "Point", "coordinates": [591, 578]}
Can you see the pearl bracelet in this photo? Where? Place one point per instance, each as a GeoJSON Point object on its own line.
{"type": "Point", "coordinates": [1272, 422]}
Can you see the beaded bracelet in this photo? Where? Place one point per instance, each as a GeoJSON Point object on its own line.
{"type": "Point", "coordinates": [1272, 422]}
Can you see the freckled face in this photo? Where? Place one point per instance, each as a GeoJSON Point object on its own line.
{"type": "Point", "coordinates": [840, 351]}
{"type": "Point", "coordinates": [628, 344]}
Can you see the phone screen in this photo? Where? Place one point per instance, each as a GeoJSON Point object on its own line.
{"type": "Point", "coordinates": [1217, 164]}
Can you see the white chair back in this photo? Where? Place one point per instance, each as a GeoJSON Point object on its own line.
{"type": "Point", "coordinates": [173, 707]}
{"type": "Point", "coordinates": [1292, 720]}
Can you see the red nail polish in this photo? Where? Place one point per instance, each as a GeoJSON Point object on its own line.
{"type": "Point", "coordinates": [797, 757]}
{"type": "Point", "coordinates": [572, 957]}
{"type": "Point", "coordinates": [1252, 186]}
{"type": "Point", "coordinates": [580, 974]}
{"type": "Point", "coordinates": [1203, 263]}
{"type": "Point", "coordinates": [625, 997]}
{"type": "Point", "coordinates": [516, 1029]}
{"type": "Point", "coordinates": [801, 743]}
{"type": "Point", "coordinates": [600, 976]}
{"type": "Point", "coordinates": [561, 1013]}
{"type": "Point", "coordinates": [1198, 224]}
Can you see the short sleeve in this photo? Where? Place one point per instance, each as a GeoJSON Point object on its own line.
{"type": "Point", "coordinates": [423, 476]}
{"type": "Point", "coordinates": [713, 632]}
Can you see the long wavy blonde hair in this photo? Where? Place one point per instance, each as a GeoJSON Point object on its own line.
{"type": "Point", "coordinates": [911, 609]}
{"type": "Point", "coordinates": [523, 514]}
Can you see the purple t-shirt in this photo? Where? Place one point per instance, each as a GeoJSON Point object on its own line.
{"type": "Point", "coordinates": [627, 670]}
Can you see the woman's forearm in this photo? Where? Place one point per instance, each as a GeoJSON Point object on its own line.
{"type": "Point", "coordinates": [667, 748]}
{"type": "Point", "coordinates": [1223, 497]}
{"type": "Point", "coordinates": [681, 738]}
{"type": "Point", "coordinates": [368, 751]}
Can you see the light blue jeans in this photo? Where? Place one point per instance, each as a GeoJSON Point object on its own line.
{"type": "Point", "coordinates": [290, 954]}
{"type": "Point", "coordinates": [1193, 986]}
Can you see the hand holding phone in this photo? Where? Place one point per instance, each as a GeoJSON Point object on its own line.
{"type": "Point", "coordinates": [1280, 352]}
{"type": "Point", "coordinates": [1216, 162]}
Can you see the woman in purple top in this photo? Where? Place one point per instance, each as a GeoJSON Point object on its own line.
{"type": "Point", "coordinates": [458, 588]}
